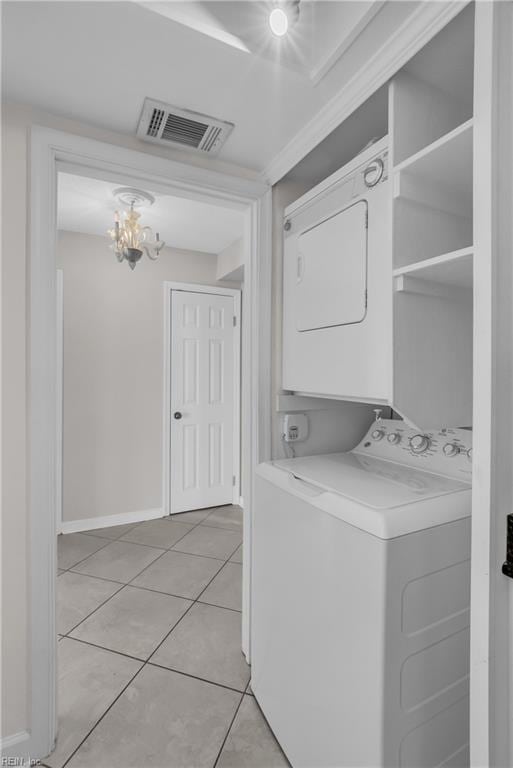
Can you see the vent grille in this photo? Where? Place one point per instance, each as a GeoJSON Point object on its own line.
{"type": "Point", "coordinates": [184, 131]}
{"type": "Point", "coordinates": [155, 122]}
{"type": "Point", "coordinates": [167, 125]}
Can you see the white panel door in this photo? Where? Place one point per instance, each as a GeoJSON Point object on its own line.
{"type": "Point", "coordinates": [202, 400]}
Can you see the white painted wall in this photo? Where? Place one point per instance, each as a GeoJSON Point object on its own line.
{"type": "Point", "coordinates": [113, 368]}
{"type": "Point", "coordinates": [230, 262]}
{"type": "Point", "coordinates": [16, 123]}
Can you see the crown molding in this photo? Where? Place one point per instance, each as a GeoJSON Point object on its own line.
{"type": "Point", "coordinates": [423, 24]}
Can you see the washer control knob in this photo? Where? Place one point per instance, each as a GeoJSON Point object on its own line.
{"type": "Point", "coordinates": [451, 449]}
{"type": "Point", "coordinates": [419, 443]}
{"type": "Point", "coordinates": [394, 438]}
{"type": "Point", "coordinates": [378, 434]}
{"type": "Point", "coordinates": [469, 454]}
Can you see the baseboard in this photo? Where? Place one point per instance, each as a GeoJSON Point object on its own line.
{"type": "Point", "coordinates": [11, 746]}
{"type": "Point", "coordinates": [241, 502]}
{"type": "Point", "coordinates": [90, 523]}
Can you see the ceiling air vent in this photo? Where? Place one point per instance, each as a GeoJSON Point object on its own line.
{"type": "Point", "coordinates": [170, 126]}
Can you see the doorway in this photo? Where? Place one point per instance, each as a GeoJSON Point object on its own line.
{"type": "Point", "coordinates": [54, 151]}
{"type": "Point", "coordinates": [202, 412]}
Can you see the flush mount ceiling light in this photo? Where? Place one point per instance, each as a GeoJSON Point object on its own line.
{"type": "Point", "coordinates": [283, 16]}
{"type": "Point", "coordinates": [130, 239]}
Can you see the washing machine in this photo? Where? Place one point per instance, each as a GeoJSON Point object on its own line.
{"type": "Point", "coordinates": [337, 284]}
{"type": "Point", "coordinates": [360, 601]}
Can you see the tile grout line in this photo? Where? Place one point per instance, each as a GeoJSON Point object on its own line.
{"type": "Point", "coordinates": [229, 730]}
{"type": "Point", "coordinates": [148, 660]}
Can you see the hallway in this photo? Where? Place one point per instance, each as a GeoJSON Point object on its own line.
{"type": "Point", "coordinates": [150, 667]}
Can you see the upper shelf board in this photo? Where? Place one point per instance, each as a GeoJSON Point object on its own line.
{"type": "Point", "coordinates": [455, 269]}
{"type": "Point", "coordinates": [447, 161]}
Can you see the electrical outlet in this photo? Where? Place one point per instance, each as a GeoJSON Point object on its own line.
{"type": "Point", "coordinates": [295, 427]}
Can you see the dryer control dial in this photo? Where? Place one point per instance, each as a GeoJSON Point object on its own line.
{"type": "Point", "coordinates": [419, 443]}
{"type": "Point", "coordinates": [378, 434]}
{"type": "Point", "coordinates": [394, 438]}
{"type": "Point", "coordinates": [374, 172]}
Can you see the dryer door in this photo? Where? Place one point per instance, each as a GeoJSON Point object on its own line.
{"type": "Point", "coordinates": [331, 284]}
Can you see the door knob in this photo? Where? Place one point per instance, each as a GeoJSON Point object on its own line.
{"type": "Point", "coordinates": [177, 415]}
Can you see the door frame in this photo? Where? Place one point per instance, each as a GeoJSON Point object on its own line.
{"type": "Point", "coordinates": [52, 151]}
{"type": "Point", "coordinates": [491, 625]}
{"type": "Point", "coordinates": [59, 396]}
{"type": "Point", "coordinates": [235, 294]}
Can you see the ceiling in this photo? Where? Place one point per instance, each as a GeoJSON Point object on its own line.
{"type": "Point", "coordinates": [97, 61]}
{"type": "Point", "coordinates": [87, 205]}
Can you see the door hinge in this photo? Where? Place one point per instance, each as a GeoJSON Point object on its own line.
{"type": "Point", "coordinates": [366, 298]}
{"type": "Point", "coordinates": [234, 480]}
{"type": "Point", "coordinates": [366, 219]}
{"type": "Point", "coordinates": [235, 320]}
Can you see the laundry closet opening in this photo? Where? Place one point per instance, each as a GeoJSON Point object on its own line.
{"type": "Point", "coordinates": [370, 486]}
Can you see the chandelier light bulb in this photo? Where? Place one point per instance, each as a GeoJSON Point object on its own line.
{"type": "Point", "coordinates": [279, 22]}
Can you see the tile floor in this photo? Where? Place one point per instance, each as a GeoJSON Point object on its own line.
{"type": "Point", "coordinates": [150, 667]}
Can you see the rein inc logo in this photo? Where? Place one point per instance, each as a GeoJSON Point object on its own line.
{"type": "Point", "coordinates": [19, 762]}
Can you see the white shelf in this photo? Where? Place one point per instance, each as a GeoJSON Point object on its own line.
{"type": "Point", "coordinates": [454, 269]}
{"type": "Point", "coordinates": [444, 164]}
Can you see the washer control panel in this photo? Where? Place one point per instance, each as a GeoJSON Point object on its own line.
{"type": "Point", "coordinates": [442, 451]}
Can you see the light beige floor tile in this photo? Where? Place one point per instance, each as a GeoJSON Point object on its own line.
{"type": "Point", "coordinates": [179, 574]}
{"type": "Point", "coordinates": [229, 517]}
{"type": "Point", "coordinates": [237, 556]}
{"type": "Point", "coordinates": [78, 596]}
{"type": "Point", "coordinates": [112, 532]}
{"type": "Point", "coordinates": [73, 547]}
{"type": "Point", "coordinates": [134, 621]}
{"type": "Point", "coordinates": [207, 643]}
{"type": "Point", "coordinates": [119, 561]}
{"type": "Point", "coordinates": [163, 720]}
{"type": "Point", "coordinates": [210, 542]}
{"type": "Point", "coordinates": [195, 516]}
{"type": "Point", "coordinates": [250, 743]}
{"type": "Point", "coordinates": [226, 589]}
{"type": "Point", "coordinates": [89, 681]}
{"type": "Point", "coordinates": [157, 533]}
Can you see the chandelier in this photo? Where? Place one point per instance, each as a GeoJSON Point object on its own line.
{"type": "Point", "coordinates": [130, 239]}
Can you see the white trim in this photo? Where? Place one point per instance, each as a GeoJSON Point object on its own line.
{"type": "Point", "coordinates": [59, 353]}
{"type": "Point", "coordinates": [51, 150]}
{"type": "Point", "coordinates": [491, 656]}
{"type": "Point", "coordinates": [235, 294]}
{"type": "Point", "coordinates": [10, 745]}
{"type": "Point", "coordinates": [328, 62]}
{"type": "Point", "coordinates": [124, 518]}
{"type": "Point", "coordinates": [423, 24]}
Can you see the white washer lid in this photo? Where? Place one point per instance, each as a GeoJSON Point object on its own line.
{"type": "Point", "coordinates": [369, 481]}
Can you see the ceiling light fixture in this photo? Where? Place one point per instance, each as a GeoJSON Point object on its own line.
{"type": "Point", "coordinates": [130, 239]}
{"type": "Point", "coordinates": [283, 16]}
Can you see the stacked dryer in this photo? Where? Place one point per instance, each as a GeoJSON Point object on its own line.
{"type": "Point", "coordinates": [337, 273]}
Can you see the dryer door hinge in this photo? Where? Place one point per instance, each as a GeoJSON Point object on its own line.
{"type": "Point", "coordinates": [234, 480]}
{"type": "Point", "coordinates": [234, 320]}
{"type": "Point", "coordinates": [366, 298]}
{"type": "Point", "coordinates": [366, 219]}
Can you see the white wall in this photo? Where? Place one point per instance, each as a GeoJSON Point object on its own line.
{"type": "Point", "coordinates": [230, 261]}
{"type": "Point", "coordinates": [113, 368]}
{"type": "Point", "coordinates": [15, 561]}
